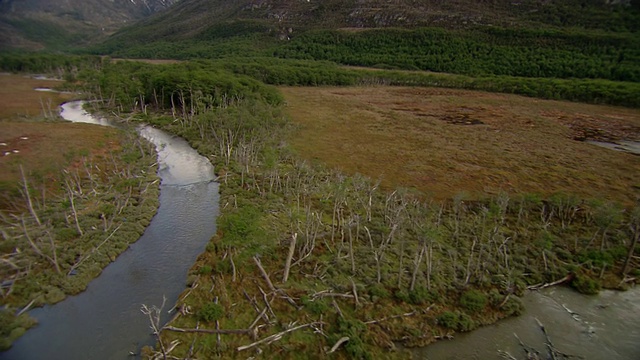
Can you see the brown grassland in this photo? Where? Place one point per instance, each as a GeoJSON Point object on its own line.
{"type": "Point", "coordinates": [445, 142]}
{"type": "Point", "coordinates": [19, 99]}
{"type": "Point", "coordinates": [42, 148]}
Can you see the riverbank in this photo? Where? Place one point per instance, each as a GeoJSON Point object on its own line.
{"type": "Point", "coordinates": [587, 327]}
{"type": "Point", "coordinates": [77, 196]}
{"type": "Point", "coordinates": [103, 323]}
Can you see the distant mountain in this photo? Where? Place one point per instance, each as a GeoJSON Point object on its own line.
{"type": "Point", "coordinates": [36, 24]}
{"type": "Point", "coordinates": [203, 18]}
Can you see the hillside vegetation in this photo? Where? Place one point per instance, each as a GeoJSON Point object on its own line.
{"type": "Point", "coordinates": [60, 24]}
{"type": "Point", "coordinates": [526, 50]}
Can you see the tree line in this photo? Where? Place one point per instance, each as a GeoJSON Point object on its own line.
{"type": "Point", "coordinates": [482, 52]}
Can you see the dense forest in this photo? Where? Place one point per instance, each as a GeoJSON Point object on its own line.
{"type": "Point", "coordinates": [491, 51]}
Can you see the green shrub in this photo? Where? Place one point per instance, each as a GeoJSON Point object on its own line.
{"type": "Point", "coordinates": [421, 295]}
{"type": "Point", "coordinates": [205, 270]}
{"type": "Point", "coordinates": [473, 300]}
{"type": "Point", "coordinates": [66, 234]}
{"type": "Point", "coordinates": [513, 306]}
{"type": "Point", "coordinates": [402, 295]}
{"type": "Point", "coordinates": [448, 319]}
{"type": "Point", "coordinates": [465, 323]}
{"type": "Point", "coordinates": [585, 285]}
{"type": "Point", "coordinates": [355, 330]}
{"type": "Point", "coordinates": [316, 307]}
{"type": "Point", "coordinates": [379, 291]}
{"type": "Point", "coordinates": [211, 312]}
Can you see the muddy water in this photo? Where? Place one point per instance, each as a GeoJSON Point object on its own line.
{"type": "Point", "coordinates": [606, 326]}
{"type": "Point", "coordinates": [105, 321]}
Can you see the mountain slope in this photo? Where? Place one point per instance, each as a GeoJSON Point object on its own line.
{"type": "Point", "coordinates": [197, 18]}
{"type": "Point", "coordinates": [35, 24]}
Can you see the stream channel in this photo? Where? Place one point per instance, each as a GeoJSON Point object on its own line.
{"type": "Point", "coordinates": [105, 321]}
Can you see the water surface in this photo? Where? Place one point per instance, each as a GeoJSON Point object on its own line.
{"type": "Point", "coordinates": [605, 326]}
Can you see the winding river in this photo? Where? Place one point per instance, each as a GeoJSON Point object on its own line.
{"type": "Point", "coordinates": [105, 321]}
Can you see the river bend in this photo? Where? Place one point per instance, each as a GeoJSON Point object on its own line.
{"type": "Point", "coordinates": [105, 321]}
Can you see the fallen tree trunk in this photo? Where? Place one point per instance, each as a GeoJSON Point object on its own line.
{"type": "Point", "coordinates": [207, 331]}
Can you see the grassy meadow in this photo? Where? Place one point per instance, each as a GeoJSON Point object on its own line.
{"type": "Point", "coordinates": [18, 99]}
{"type": "Point", "coordinates": [446, 142]}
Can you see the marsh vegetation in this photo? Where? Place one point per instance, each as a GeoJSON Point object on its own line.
{"type": "Point", "coordinates": [73, 198]}
{"type": "Point", "coordinates": [316, 255]}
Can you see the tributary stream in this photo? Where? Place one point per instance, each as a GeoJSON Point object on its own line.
{"type": "Point", "coordinates": [105, 321]}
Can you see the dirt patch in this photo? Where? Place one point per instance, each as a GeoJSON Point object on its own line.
{"type": "Point", "coordinates": [411, 137]}
{"type": "Point", "coordinates": [602, 127]}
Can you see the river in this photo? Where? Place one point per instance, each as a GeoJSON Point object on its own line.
{"type": "Point", "coordinates": [605, 326]}
{"type": "Point", "coordinates": [105, 321]}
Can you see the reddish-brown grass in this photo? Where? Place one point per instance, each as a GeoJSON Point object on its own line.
{"type": "Point", "coordinates": [19, 99]}
{"type": "Point", "coordinates": [43, 149]}
{"type": "Point", "coordinates": [443, 142]}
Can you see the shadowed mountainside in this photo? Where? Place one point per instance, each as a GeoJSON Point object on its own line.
{"type": "Point", "coordinates": [36, 24]}
{"type": "Point", "coordinates": [198, 18]}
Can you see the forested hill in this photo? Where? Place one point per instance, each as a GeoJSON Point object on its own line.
{"type": "Point", "coordinates": [286, 18]}
{"type": "Point", "coordinates": [37, 24]}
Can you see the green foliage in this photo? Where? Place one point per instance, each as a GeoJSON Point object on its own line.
{"type": "Point", "coordinates": [356, 331]}
{"type": "Point", "coordinates": [205, 270]}
{"type": "Point", "coordinates": [56, 64]}
{"type": "Point", "coordinates": [290, 72]}
{"type": "Point", "coordinates": [241, 227]}
{"type": "Point", "coordinates": [12, 327]}
{"type": "Point", "coordinates": [421, 295]}
{"type": "Point", "coordinates": [66, 234]}
{"type": "Point", "coordinates": [191, 88]}
{"type": "Point", "coordinates": [402, 295]}
{"type": "Point", "coordinates": [378, 291]}
{"type": "Point", "coordinates": [483, 51]}
{"type": "Point", "coordinates": [586, 285]}
{"type": "Point", "coordinates": [211, 312]}
{"type": "Point", "coordinates": [595, 91]}
{"type": "Point", "coordinates": [316, 307]}
{"type": "Point", "coordinates": [473, 300]}
{"type": "Point", "coordinates": [448, 319]}
{"type": "Point", "coordinates": [465, 323]}
{"type": "Point", "coordinates": [513, 306]}
{"type": "Point", "coordinates": [456, 320]}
